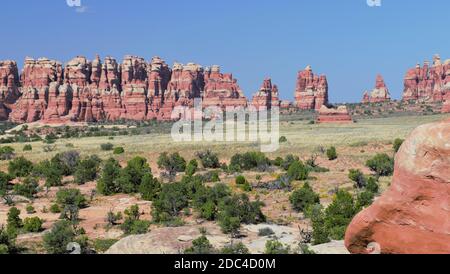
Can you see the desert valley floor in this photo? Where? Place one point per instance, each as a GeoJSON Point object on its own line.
{"type": "Point", "coordinates": [355, 144]}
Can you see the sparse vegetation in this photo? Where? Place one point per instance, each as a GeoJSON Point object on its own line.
{"type": "Point", "coordinates": [107, 147]}
{"type": "Point", "coordinates": [381, 164]}
{"type": "Point", "coordinates": [397, 144]}
{"type": "Point", "coordinates": [209, 159]}
{"type": "Point", "coordinates": [332, 154]}
{"type": "Point", "coordinates": [304, 197]}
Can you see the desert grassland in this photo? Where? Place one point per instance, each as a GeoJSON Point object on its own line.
{"type": "Point", "coordinates": [303, 139]}
{"type": "Point", "coordinates": [355, 144]}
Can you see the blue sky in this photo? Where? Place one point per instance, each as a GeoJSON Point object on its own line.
{"type": "Point", "coordinates": [347, 40]}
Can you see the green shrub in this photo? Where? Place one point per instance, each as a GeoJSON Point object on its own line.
{"type": "Point", "coordinates": [283, 139]}
{"type": "Point", "coordinates": [332, 153]}
{"type": "Point", "coordinates": [304, 197]}
{"type": "Point", "coordinates": [235, 249]}
{"type": "Point", "coordinates": [192, 167]}
{"type": "Point", "coordinates": [108, 183]}
{"type": "Point", "coordinates": [13, 220]}
{"type": "Point", "coordinates": [200, 246]}
{"type": "Point", "coordinates": [149, 187]}
{"type": "Point", "coordinates": [397, 144]}
{"type": "Point", "coordinates": [132, 224]}
{"type": "Point", "coordinates": [298, 171]}
{"type": "Point", "coordinates": [66, 162]}
{"type": "Point", "coordinates": [50, 138]}
{"type": "Point", "coordinates": [30, 209]}
{"type": "Point", "coordinates": [33, 225]}
{"type": "Point", "coordinates": [357, 177]}
{"type": "Point", "coordinates": [7, 242]}
{"type": "Point", "coordinates": [87, 170]}
{"type": "Point", "coordinates": [55, 209]}
{"type": "Point", "coordinates": [169, 203]}
{"type": "Point", "coordinates": [57, 240]}
{"type": "Point", "coordinates": [274, 247]}
{"type": "Point", "coordinates": [288, 161]}
{"type": "Point", "coordinates": [339, 214]}
{"type": "Point", "coordinates": [131, 176]}
{"type": "Point", "coordinates": [71, 197]}
{"type": "Point", "coordinates": [28, 188]}
{"type": "Point", "coordinates": [240, 180]}
{"type": "Point", "coordinates": [106, 147]}
{"type": "Point", "coordinates": [172, 163]}
{"type": "Point", "coordinates": [372, 185]}
{"type": "Point", "coordinates": [6, 153]}
{"type": "Point", "coordinates": [278, 161]}
{"type": "Point", "coordinates": [237, 209]}
{"type": "Point", "coordinates": [264, 232]}
{"type": "Point", "coordinates": [102, 245]}
{"type": "Point", "coordinates": [250, 160]}
{"type": "Point", "coordinates": [364, 199]}
{"type": "Point", "coordinates": [119, 150]}
{"type": "Point", "coordinates": [320, 232]}
{"type": "Point", "coordinates": [381, 164]}
{"type": "Point", "coordinates": [50, 171]}
{"type": "Point", "coordinates": [206, 200]}
{"type": "Point", "coordinates": [5, 180]}
{"type": "Point", "coordinates": [209, 159]}
{"type": "Point", "coordinates": [27, 148]}
{"type": "Point", "coordinates": [20, 167]}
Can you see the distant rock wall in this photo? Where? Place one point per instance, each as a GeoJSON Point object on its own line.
{"type": "Point", "coordinates": [91, 91]}
{"type": "Point", "coordinates": [428, 83]}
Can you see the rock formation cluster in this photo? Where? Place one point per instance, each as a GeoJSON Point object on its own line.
{"type": "Point", "coordinates": [267, 96]}
{"type": "Point", "coordinates": [9, 87]}
{"type": "Point", "coordinates": [412, 216]}
{"type": "Point", "coordinates": [311, 91]}
{"type": "Point", "coordinates": [429, 83]}
{"type": "Point", "coordinates": [99, 90]}
{"type": "Point", "coordinates": [334, 115]}
{"type": "Point", "coordinates": [379, 94]}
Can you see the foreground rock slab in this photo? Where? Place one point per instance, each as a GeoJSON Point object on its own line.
{"type": "Point", "coordinates": [413, 216]}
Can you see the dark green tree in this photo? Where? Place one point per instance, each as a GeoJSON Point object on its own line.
{"type": "Point", "coordinates": [304, 197]}
{"type": "Point", "coordinates": [332, 154]}
{"type": "Point", "coordinates": [108, 183]}
{"type": "Point", "coordinates": [298, 171]}
{"type": "Point", "coordinates": [20, 167]}
{"type": "Point", "coordinates": [87, 169]}
{"type": "Point", "coordinates": [381, 164]}
{"type": "Point", "coordinates": [28, 188]}
{"type": "Point", "coordinates": [200, 246]}
{"type": "Point", "coordinates": [59, 237]}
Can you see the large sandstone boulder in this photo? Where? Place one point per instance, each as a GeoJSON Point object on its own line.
{"type": "Point", "coordinates": [413, 216]}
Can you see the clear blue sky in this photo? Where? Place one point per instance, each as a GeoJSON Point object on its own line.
{"type": "Point", "coordinates": [347, 40]}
